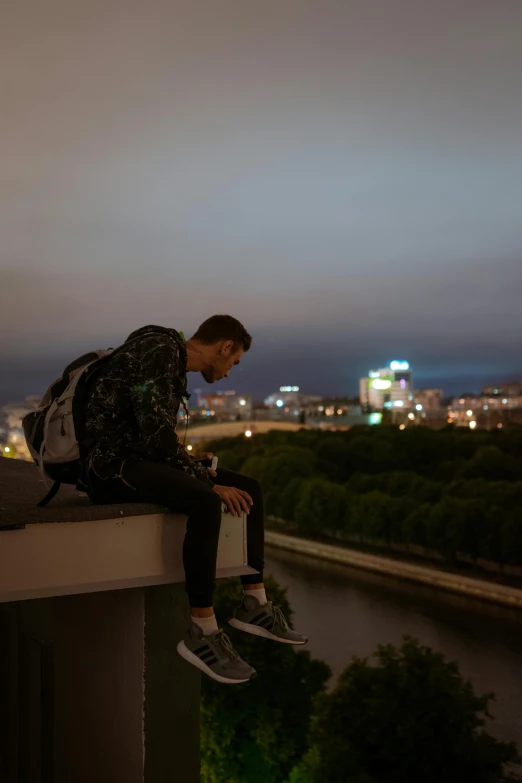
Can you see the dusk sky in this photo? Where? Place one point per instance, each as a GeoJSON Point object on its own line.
{"type": "Point", "coordinates": [344, 177]}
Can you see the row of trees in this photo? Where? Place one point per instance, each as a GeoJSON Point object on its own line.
{"type": "Point", "coordinates": [404, 716]}
{"type": "Point", "coordinates": [444, 455]}
{"type": "Point", "coordinates": [453, 491]}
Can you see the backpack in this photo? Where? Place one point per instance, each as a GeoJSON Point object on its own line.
{"type": "Point", "coordinates": [55, 431]}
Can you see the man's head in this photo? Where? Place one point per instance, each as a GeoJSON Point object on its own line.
{"type": "Point", "coordinates": [217, 346]}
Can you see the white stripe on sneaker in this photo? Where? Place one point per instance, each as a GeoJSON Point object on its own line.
{"type": "Point", "coordinates": [256, 630]}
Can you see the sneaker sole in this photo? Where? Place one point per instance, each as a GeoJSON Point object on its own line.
{"type": "Point", "coordinates": [199, 664]}
{"type": "Point", "coordinates": [256, 630]}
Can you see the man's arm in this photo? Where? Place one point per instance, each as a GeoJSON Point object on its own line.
{"type": "Point", "coordinates": [155, 397]}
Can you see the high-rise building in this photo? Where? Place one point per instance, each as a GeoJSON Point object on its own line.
{"type": "Point", "coordinates": [391, 387]}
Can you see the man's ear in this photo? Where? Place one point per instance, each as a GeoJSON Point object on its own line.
{"type": "Point", "coordinates": [226, 348]}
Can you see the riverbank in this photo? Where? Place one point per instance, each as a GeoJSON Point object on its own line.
{"type": "Point", "coordinates": [420, 574]}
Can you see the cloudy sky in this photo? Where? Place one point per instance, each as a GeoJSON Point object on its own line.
{"type": "Point", "coordinates": [345, 176]}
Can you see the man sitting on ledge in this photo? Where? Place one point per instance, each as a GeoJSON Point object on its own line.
{"type": "Point", "coordinates": [134, 455]}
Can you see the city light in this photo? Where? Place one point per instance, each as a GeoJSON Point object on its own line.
{"type": "Point", "coordinates": [504, 402]}
{"type": "Point", "coordinates": [472, 425]}
{"type": "Point", "coordinates": [7, 449]}
{"type": "Point", "coordinates": [279, 403]}
{"type": "Point", "coordinates": [189, 447]}
{"type": "Point", "coordinates": [399, 404]}
{"type": "Point", "coordinates": [289, 388]}
{"type": "Point", "coordinates": [418, 407]}
{"type": "Point", "coordinates": [469, 413]}
{"type": "Point", "coordinates": [380, 384]}
{"type": "Point", "coordinates": [411, 416]}
{"type": "Point", "coordinates": [242, 402]}
{"type": "Point", "coordinates": [248, 434]}
{"type": "Point", "coordinates": [399, 365]}
{"type": "Point", "coordinates": [375, 418]}
{"type": "Point", "coordinates": [402, 427]}
{"type": "Point", "coordinates": [339, 411]}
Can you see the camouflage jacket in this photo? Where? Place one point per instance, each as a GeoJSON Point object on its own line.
{"type": "Point", "coordinates": [134, 405]}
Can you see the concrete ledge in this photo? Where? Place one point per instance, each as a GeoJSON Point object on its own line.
{"type": "Point", "coordinates": [441, 580]}
{"type": "Point", "coordinates": [73, 546]}
{"type": "Point", "coordinates": [63, 558]}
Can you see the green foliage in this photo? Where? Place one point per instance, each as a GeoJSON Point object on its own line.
{"type": "Point", "coordinates": [454, 491]}
{"type": "Point", "coordinates": [256, 733]}
{"type": "Point", "coordinates": [320, 507]}
{"type": "Point", "coordinates": [408, 717]}
{"type": "Point", "coordinates": [491, 464]}
{"type": "Point", "coordinates": [276, 469]}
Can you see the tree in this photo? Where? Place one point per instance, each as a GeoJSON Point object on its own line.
{"type": "Point", "coordinates": [409, 717]}
{"type": "Point", "coordinates": [321, 507]}
{"type": "Point", "coordinates": [289, 498]}
{"type": "Point", "coordinates": [256, 732]}
{"type": "Point", "coordinates": [276, 468]}
{"type": "Point", "coordinates": [492, 464]}
{"type": "Point", "coordinates": [333, 457]}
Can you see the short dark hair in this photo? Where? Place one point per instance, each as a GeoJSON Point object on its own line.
{"type": "Point", "coordinates": [223, 327]}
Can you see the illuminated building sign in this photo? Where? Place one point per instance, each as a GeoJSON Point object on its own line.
{"type": "Point", "coordinates": [380, 384]}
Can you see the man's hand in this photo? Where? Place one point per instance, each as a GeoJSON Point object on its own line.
{"type": "Point", "coordinates": [207, 455]}
{"type": "Point", "coordinates": [236, 500]}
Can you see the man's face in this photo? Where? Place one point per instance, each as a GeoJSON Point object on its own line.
{"type": "Point", "coordinates": [222, 362]}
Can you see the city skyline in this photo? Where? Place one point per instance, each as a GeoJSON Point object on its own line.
{"type": "Point", "coordinates": [342, 177]}
{"type": "Point", "coordinates": [25, 379]}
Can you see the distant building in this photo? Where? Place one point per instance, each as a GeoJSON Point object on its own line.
{"type": "Point", "coordinates": [513, 389]}
{"type": "Point", "coordinates": [12, 438]}
{"type": "Point", "coordinates": [483, 403]}
{"type": "Point", "coordinates": [225, 405]}
{"type": "Point", "coordinates": [389, 388]}
{"type": "Point", "coordinates": [287, 400]}
{"type": "Point", "coordinates": [429, 399]}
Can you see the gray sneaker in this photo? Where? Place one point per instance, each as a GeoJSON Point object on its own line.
{"type": "Point", "coordinates": [213, 654]}
{"type": "Point", "coordinates": [265, 620]}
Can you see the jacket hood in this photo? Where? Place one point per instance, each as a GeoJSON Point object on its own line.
{"type": "Point", "coordinates": [174, 335]}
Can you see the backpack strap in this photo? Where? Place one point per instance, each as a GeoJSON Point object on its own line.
{"type": "Point", "coordinates": [50, 495]}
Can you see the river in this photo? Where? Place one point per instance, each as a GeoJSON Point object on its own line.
{"type": "Point", "coordinates": [348, 612]}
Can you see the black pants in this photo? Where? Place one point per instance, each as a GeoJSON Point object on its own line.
{"type": "Point", "coordinates": [152, 482]}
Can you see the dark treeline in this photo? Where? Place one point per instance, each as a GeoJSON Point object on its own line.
{"type": "Point", "coordinates": [453, 491]}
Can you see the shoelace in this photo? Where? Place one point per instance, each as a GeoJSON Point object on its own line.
{"type": "Point", "coordinates": [280, 618]}
{"type": "Point", "coordinates": [225, 644]}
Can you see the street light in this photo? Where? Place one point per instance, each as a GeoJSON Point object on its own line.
{"type": "Point", "coordinates": [472, 425]}
{"type": "Point", "coordinates": [248, 434]}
